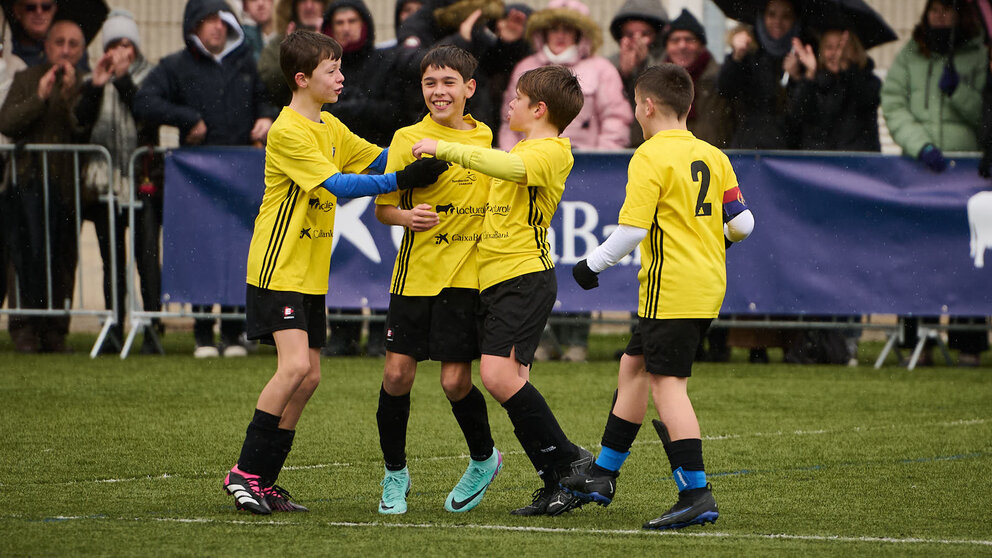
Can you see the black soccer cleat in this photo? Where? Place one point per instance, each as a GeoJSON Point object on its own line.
{"type": "Point", "coordinates": [591, 487]}
{"type": "Point", "coordinates": [279, 500]}
{"type": "Point", "coordinates": [246, 491]}
{"type": "Point", "coordinates": [561, 502]}
{"type": "Point", "coordinates": [539, 504]}
{"type": "Point", "coordinates": [695, 506]}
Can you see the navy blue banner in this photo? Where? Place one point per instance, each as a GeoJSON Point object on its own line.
{"type": "Point", "coordinates": [833, 235]}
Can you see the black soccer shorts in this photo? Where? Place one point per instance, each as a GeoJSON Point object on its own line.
{"type": "Point", "coordinates": [668, 346]}
{"type": "Point", "coordinates": [269, 311]}
{"type": "Point", "coordinates": [514, 313]}
{"type": "Point", "coordinates": [440, 327]}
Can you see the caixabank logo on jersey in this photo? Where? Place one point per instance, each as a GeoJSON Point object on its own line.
{"type": "Point", "coordinates": [324, 206]}
{"type": "Point", "coordinates": [312, 233]}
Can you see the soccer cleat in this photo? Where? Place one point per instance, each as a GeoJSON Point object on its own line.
{"type": "Point", "coordinates": [395, 489]}
{"type": "Point", "coordinates": [278, 499]}
{"type": "Point", "coordinates": [247, 494]}
{"type": "Point", "coordinates": [561, 502]}
{"type": "Point", "coordinates": [472, 486]}
{"type": "Point", "coordinates": [539, 503]}
{"type": "Point", "coordinates": [695, 506]}
{"type": "Point", "coordinates": [590, 487]}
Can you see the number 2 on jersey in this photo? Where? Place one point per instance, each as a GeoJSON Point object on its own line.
{"type": "Point", "coordinates": [701, 174]}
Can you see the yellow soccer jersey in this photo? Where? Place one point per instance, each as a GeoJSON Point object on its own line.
{"type": "Point", "coordinates": [515, 231]}
{"type": "Point", "coordinates": [444, 256]}
{"type": "Point", "coordinates": [675, 190]}
{"type": "Point", "coordinates": [291, 247]}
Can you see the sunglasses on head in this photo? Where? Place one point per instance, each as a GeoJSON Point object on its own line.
{"type": "Point", "coordinates": [43, 7]}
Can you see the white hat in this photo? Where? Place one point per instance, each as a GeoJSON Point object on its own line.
{"type": "Point", "coordinates": [120, 24]}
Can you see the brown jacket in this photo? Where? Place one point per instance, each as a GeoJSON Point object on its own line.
{"type": "Point", "coordinates": [25, 118]}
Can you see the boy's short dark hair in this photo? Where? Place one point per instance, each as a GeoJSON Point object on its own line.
{"type": "Point", "coordinates": [450, 56]}
{"type": "Point", "coordinates": [302, 50]}
{"type": "Point", "coordinates": [558, 88]}
{"type": "Point", "coordinates": [669, 85]}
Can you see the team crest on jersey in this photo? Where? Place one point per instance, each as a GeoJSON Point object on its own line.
{"type": "Point", "coordinates": [288, 313]}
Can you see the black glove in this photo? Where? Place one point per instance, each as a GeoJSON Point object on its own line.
{"type": "Point", "coordinates": [949, 80]}
{"type": "Point", "coordinates": [420, 173]}
{"type": "Point", "coordinates": [985, 165]}
{"type": "Point", "coordinates": [931, 156]}
{"type": "Point", "coordinates": [585, 277]}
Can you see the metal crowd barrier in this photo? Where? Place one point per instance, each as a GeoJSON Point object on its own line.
{"type": "Point", "coordinates": [67, 307]}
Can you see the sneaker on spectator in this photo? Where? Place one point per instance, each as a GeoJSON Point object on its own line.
{"type": "Point", "coordinates": [575, 353]}
{"type": "Point", "coordinates": [235, 350]}
{"type": "Point", "coordinates": [206, 351]}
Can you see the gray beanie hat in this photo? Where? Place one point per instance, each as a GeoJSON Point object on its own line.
{"type": "Point", "coordinates": [120, 24]}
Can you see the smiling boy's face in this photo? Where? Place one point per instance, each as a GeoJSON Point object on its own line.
{"type": "Point", "coordinates": [445, 92]}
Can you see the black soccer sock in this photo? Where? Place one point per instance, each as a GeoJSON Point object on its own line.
{"type": "Point", "coordinates": [392, 417]}
{"type": "Point", "coordinates": [539, 433]}
{"type": "Point", "coordinates": [686, 458]}
{"type": "Point", "coordinates": [260, 440]}
{"type": "Point", "coordinates": [280, 450]}
{"type": "Point", "coordinates": [473, 418]}
{"type": "Point", "coordinates": [618, 436]}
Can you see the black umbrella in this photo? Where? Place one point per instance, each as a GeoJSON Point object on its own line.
{"type": "Point", "coordinates": [89, 14]}
{"type": "Point", "coordinates": [854, 15]}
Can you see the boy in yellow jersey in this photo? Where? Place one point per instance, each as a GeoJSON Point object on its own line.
{"type": "Point", "coordinates": [434, 294]}
{"type": "Point", "coordinates": [684, 208]}
{"type": "Point", "coordinates": [516, 276]}
{"type": "Point", "coordinates": [307, 163]}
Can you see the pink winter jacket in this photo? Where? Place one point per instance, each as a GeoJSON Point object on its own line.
{"type": "Point", "coordinates": [606, 117]}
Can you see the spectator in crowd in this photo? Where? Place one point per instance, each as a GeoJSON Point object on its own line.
{"type": "Point", "coordinates": [32, 20]}
{"type": "Point", "coordinates": [38, 109]}
{"type": "Point", "coordinates": [751, 82]}
{"type": "Point", "coordinates": [105, 104]}
{"type": "Point", "coordinates": [834, 95]}
{"type": "Point", "coordinates": [685, 44]}
{"type": "Point", "coordinates": [508, 47]}
{"type": "Point", "coordinates": [639, 28]}
{"type": "Point", "coordinates": [467, 26]}
{"type": "Point", "coordinates": [563, 33]}
{"type": "Point", "coordinates": [211, 91]}
{"type": "Point", "coordinates": [261, 29]}
{"type": "Point", "coordinates": [9, 65]}
{"type": "Point", "coordinates": [751, 79]}
{"type": "Point", "coordinates": [369, 109]}
{"type": "Point", "coordinates": [932, 102]}
{"type": "Point", "coordinates": [403, 10]}
{"type": "Point", "coordinates": [290, 15]}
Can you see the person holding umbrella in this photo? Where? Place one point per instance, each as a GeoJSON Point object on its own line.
{"type": "Point", "coordinates": [751, 79]}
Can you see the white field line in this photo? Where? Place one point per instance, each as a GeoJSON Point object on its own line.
{"type": "Point", "coordinates": [714, 438]}
{"type": "Point", "coordinates": [561, 530]}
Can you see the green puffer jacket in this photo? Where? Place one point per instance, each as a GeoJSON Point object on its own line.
{"type": "Point", "coordinates": [917, 112]}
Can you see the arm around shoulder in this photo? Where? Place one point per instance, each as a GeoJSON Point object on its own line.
{"type": "Point", "coordinates": [493, 162]}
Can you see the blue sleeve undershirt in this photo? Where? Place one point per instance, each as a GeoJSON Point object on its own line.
{"type": "Point", "coordinates": [358, 185]}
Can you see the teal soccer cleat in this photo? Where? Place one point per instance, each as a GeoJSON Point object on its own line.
{"type": "Point", "coordinates": [395, 488]}
{"type": "Point", "coordinates": [472, 487]}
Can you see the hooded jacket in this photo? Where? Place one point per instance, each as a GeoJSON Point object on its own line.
{"type": "Point", "coordinates": [605, 119]}
{"type": "Point", "coordinates": [917, 112]}
{"type": "Point", "coordinates": [366, 106]}
{"type": "Point", "coordinates": [192, 85]}
{"type": "Point", "coordinates": [653, 13]}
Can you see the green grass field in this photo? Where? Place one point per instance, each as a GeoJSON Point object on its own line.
{"type": "Point", "coordinates": [111, 457]}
